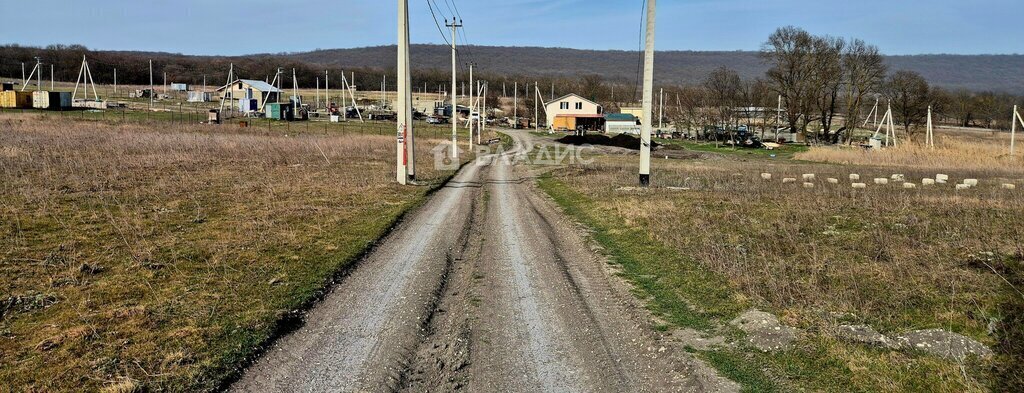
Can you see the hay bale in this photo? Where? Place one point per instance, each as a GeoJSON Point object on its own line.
{"type": "Point", "coordinates": [881, 180]}
{"type": "Point", "coordinates": [928, 182]}
{"type": "Point", "coordinates": [859, 186]}
{"type": "Point", "coordinates": [808, 177]}
{"type": "Point", "coordinates": [833, 180]}
{"type": "Point", "coordinates": [960, 187]}
{"type": "Point", "coordinates": [854, 177]}
{"type": "Point", "coordinates": [898, 178]}
{"type": "Point", "coordinates": [971, 182]}
{"type": "Point", "coordinates": [766, 176]}
{"type": "Point", "coordinates": [909, 186]}
{"type": "Point", "coordinates": [1009, 186]}
{"type": "Point", "coordinates": [942, 178]}
{"type": "Point", "coordinates": [808, 185]}
{"type": "Point", "coordinates": [789, 180]}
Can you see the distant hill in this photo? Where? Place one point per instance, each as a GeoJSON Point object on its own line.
{"type": "Point", "coordinates": [1001, 73]}
{"type": "Point", "coordinates": [998, 73]}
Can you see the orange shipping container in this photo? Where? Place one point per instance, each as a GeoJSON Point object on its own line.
{"type": "Point", "coordinates": [16, 99]}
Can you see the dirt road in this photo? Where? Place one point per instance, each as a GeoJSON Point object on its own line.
{"type": "Point", "coordinates": [486, 288]}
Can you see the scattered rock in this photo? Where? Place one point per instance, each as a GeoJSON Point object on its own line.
{"type": "Point", "coordinates": [696, 339]}
{"type": "Point", "coordinates": [943, 344]}
{"type": "Point", "coordinates": [764, 331]}
{"type": "Point", "coordinates": [864, 334]}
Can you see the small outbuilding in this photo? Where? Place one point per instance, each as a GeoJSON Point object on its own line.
{"type": "Point", "coordinates": [247, 89]}
{"type": "Point", "coordinates": [621, 123]}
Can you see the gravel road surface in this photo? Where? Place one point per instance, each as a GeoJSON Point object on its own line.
{"type": "Point", "coordinates": [486, 288]}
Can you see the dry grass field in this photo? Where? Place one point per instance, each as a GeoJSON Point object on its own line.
{"type": "Point", "coordinates": [892, 258]}
{"type": "Point", "coordinates": [160, 257]}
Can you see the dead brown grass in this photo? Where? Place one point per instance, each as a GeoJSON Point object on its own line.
{"type": "Point", "coordinates": [895, 259]}
{"type": "Point", "coordinates": [134, 257]}
{"type": "Point", "coordinates": [974, 151]}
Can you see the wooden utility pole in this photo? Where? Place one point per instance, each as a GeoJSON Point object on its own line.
{"type": "Point", "coordinates": [648, 97]}
{"type": "Point", "coordinates": [455, 88]}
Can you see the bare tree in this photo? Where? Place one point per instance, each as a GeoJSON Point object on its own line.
{"type": "Point", "coordinates": [789, 51]}
{"type": "Point", "coordinates": [910, 96]}
{"type": "Point", "coordinates": [825, 82]}
{"type": "Point", "coordinates": [865, 70]}
{"type": "Point", "coordinates": [724, 88]}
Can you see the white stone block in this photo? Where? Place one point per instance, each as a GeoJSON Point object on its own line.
{"type": "Point", "coordinates": [909, 186]}
{"type": "Point", "coordinates": [859, 185]}
{"type": "Point", "coordinates": [963, 187]}
{"type": "Point", "coordinates": [881, 180]}
{"type": "Point", "coordinates": [808, 177]}
{"type": "Point", "coordinates": [833, 180]}
{"type": "Point", "coordinates": [898, 177]}
{"type": "Point", "coordinates": [971, 182]}
{"type": "Point", "coordinates": [766, 176]}
{"type": "Point", "coordinates": [788, 180]}
{"type": "Point", "coordinates": [808, 185]}
{"type": "Point", "coordinates": [854, 177]}
{"type": "Point", "coordinates": [928, 182]}
{"type": "Point", "coordinates": [942, 178]}
{"type": "Point", "coordinates": [1009, 186]}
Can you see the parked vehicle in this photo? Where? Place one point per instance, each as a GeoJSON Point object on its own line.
{"type": "Point", "coordinates": [435, 119]}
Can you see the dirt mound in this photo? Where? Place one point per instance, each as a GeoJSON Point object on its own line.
{"type": "Point", "coordinates": [621, 140]}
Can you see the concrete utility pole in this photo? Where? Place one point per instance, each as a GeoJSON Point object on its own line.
{"type": "Point", "coordinates": [115, 81]}
{"type": "Point", "coordinates": [23, 79]}
{"type": "Point", "coordinates": [778, 118]}
{"type": "Point", "coordinates": [152, 92]}
{"type": "Point", "coordinates": [1013, 129]}
{"type": "Point", "coordinates": [472, 105]}
{"type": "Point", "coordinates": [536, 106]}
{"type": "Point", "coordinates": [455, 88]}
{"type": "Point", "coordinates": [327, 90]}
{"type": "Point", "coordinates": [515, 106]}
{"type": "Point", "coordinates": [645, 133]}
{"type": "Point", "coordinates": [53, 81]}
{"type": "Point", "coordinates": [39, 75]}
{"type": "Point", "coordinates": [929, 138]}
{"type": "Point", "coordinates": [661, 109]}
{"type": "Point", "coordinates": [404, 106]}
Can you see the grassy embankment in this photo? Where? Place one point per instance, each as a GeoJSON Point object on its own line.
{"type": "Point", "coordinates": [161, 256]}
{"type": "Point", "coordinates": [895, 259]}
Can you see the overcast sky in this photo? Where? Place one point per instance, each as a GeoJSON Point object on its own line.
{"type": "Point", "coordinates": [219, 27]}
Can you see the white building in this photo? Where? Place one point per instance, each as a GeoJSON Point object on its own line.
{"type": "Point", "coordinates": [572, 112]}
